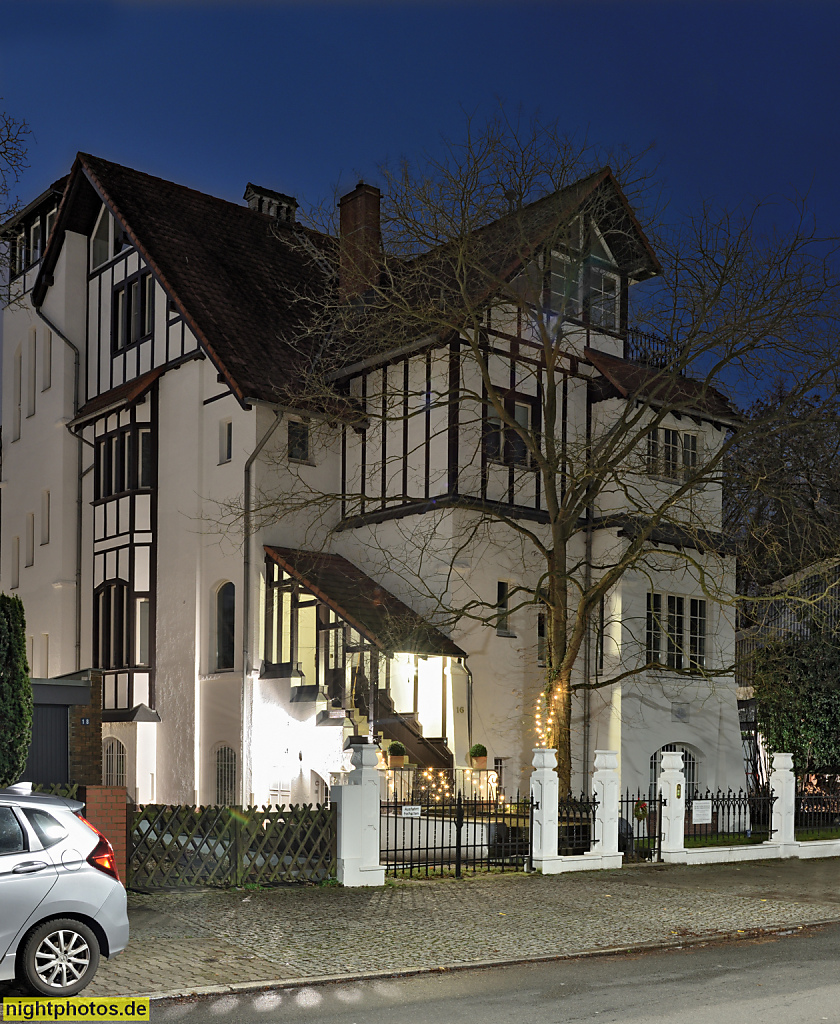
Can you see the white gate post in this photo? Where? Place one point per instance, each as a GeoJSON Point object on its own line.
{"type": "Point", "coordinates": [605, 791]}
{"type": "Point", "coordinates": [358, 821]}
{"type": "Point", "coordinates": [783, 785]}
{"type": "Point", "coordinates": [544, 793]}
{"type": "Point", "coordinates": [671, 786]}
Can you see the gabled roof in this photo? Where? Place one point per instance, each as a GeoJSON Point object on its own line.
{"type": "Point", "coordinates": [662, 388]}
{"type": "Point", "coordinates": [238, 277]}
{"type": "Point", "coordinates": [368, 607]}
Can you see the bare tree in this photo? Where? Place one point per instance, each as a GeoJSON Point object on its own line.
{"type": "Point", "coordinates": [13, 142]}
{"type": "Point", "coordinates": [478, 369]}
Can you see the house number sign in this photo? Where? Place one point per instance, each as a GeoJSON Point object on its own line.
{"type": "Point", "coordinates": [701, 812]}
{"type": "Point", "coordinates": [411, 811]}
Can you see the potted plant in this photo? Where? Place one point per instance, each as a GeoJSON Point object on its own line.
{"type": "Point", "coordinates": [396, 755]}
{"type": "Point", "coordinates": [478, 756]}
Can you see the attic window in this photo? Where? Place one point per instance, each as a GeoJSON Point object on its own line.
{"type": "Point", "coordinates": [100, 252]}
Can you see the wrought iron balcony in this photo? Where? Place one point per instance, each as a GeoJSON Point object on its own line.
{"type": "Point", "coordinates": [651, 350]}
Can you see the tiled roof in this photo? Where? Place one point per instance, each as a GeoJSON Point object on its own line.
{"type": "Point", "coordinates": [238, 277]}
{"type": "Point", "coordinates": [368, 607]}
{"type": "Point", "coordinates": [660, 388]}
{"type": "Point", "coordinates": [117, 397]}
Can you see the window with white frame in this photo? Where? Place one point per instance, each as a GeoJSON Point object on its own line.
{"type": "Point", "coordinates": [672, 454]}
{"type": "Point", "coordinates": [565, 286]}
{"type": "Point", "coordinates": [35, 242]}
{"type": "Point", "coordinates": [298, 441]}
{"type": "Point", "coordinates": [604, 289]}
{"type": "Point", "coordinates": [675, 631]}
{"type": "Point", "coordinates": [505, 443]}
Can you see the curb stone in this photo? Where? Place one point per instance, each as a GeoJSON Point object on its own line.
{"type": "Point", "coordinates": [682, 942]}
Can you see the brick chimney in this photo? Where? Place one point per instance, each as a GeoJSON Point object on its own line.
{"type": "Point", "coordinates": [361, 239]}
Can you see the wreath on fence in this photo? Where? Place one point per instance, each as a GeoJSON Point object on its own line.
{"type": "Point", "coordinates": [640, 810]}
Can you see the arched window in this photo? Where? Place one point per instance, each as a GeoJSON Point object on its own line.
{"type": "Point", "coordinates": [225, 776]}
{"type": "Point", "coordinates": [225, 615]}
{"type": "Point", "coordinates": [113, 762]}
{"type": "Point", "coordinates": [691, 768]}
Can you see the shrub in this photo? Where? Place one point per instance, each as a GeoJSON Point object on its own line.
{"type": "Point", "coordinates": [15, 692]}
{"type": "Point", "coordinates": [478, 750]}
{"type": "Point", "coordinates": [396, 749]}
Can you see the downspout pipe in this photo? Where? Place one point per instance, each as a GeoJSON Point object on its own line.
{"type": "Point", "coordinates": [79, 474]}
{"type": "Point", "coordinates": [246, 580]}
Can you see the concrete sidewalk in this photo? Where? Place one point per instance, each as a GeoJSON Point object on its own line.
{"type": "Point", "coordinates": [186, 942]}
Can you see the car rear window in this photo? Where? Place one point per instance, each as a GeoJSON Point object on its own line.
{"type": "Point", "coordinates": [48, 830]}
{"type": "Point", "coordinates": [11, 834]}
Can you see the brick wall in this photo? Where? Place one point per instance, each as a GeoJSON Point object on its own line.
{"type": "Point", "coordinates": [85, 737]}
{"type": "Point", "coordinates": [106, 807]}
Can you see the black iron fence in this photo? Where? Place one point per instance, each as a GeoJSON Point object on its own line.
{"type": "Point", "coordinates": [413, 785]}
{"type": "Point", "coordinates": [640, 826]}
{"type": "Point", "coordinates": [576, 824]}
{"type": "Point", "coordinates": [728, 818]}
{"type": "Point", "coordinates": [442, 833]}
{"type": "Point", "coordinates": [817, 815]}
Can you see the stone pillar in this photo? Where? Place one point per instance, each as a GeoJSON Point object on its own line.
{"type": "Point", "coordinates": [358, 821]}
{"type": "Point", "coordinates": [671, 786]}
{"type": "Point", "coordinates": [606, 791]}
{"type": "Point", "coordinates": [544, 792]}
{"type": "Point", "coordinates": [783, 785]}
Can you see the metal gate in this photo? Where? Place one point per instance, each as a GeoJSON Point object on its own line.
{"type": "Point", "coordinates": [432, 833]}
{"type": "Point", "coordinates": [640, 826]}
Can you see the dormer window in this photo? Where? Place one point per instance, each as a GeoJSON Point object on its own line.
{"type": "Point", "coordinates": [35, 242]}
{"type": "Point", "coordinates": [603, 298]}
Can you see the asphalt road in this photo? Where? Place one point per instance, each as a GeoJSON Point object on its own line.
{"type": "Point", "coordinates": [785, 980]}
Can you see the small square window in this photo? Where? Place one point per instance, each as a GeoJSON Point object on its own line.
{"type": "Point", "coordinates": [298, 441]}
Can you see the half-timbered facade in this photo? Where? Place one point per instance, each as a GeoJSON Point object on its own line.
{"type": "Point", "coordinates": [147, 336]}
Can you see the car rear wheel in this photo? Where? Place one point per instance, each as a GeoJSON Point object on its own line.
{"type": "Point", "coordinates": [60, 958]}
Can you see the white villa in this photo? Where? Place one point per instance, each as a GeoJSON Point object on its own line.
{"type": "Point", "coordinates": [151, 340]}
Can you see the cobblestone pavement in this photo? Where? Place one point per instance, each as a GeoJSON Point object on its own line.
{"type": "Point", "coordinates": [182, 942]}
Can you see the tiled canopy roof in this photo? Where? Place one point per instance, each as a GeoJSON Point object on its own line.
{"type": "Point", "coordinates": [660, 388]}
{"type": "Point", "coordinates": [368, 607]}
{"type": "Point", "coordinates": [122, 395]}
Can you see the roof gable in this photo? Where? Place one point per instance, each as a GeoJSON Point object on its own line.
{"type": "Point", "coordinates": [239, 279]}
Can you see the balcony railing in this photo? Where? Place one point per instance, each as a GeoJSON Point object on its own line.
{"type": "Point", "coordinates": [650, 349]}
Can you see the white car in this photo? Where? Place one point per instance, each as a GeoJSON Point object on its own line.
{"type": "Point", "coordinates": [62, 901]}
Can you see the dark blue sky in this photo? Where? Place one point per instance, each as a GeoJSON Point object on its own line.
{"type": "Point", "coordinates": [740, 99]}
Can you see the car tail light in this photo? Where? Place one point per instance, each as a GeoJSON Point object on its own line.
{"type": "Point", "coordinates": [102, 856]}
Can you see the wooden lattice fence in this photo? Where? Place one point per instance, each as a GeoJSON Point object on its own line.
{"type": "Point", "coordinates": [175, 847]}
{"type": "Point", "coordinates": [70, 790]}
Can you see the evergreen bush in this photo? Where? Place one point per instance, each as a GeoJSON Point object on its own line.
{"type": "Point", "coordinates": [15, 691]}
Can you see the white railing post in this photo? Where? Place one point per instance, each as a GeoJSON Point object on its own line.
{"type": "Point", "coordinates": [358, 821]}
{"type": "Point", "coordinates": [671, 787]}
{"type": "Point", "coordinates": [783, 785]}
{"type": "Point", "coordinates": [544, 793]}
{"type": "Point", "coordinates": [605, 789]}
